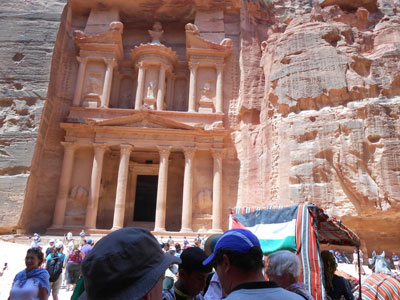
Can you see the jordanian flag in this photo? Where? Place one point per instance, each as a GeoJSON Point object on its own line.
{"type": "Point", "coordinates": [275, 228]}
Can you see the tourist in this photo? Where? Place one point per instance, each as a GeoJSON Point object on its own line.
{"type": "Point", "coordinates": [396, 261]}
{"type": "Point", "coordinates": [192, 276]}
{"type": "Point", "coordinates": [284, 269]}
{"type": "Point", "coordinates": [214, 290]}
{"type": "Point", "coordinates": [33, 282]}
{"type": "Point", "coordinates": [336, 286]}
{"type": "Point", "coordinates": [4, 268]}
{"type": "Point", "coordinates": [197, 240]}
{"type": "Point", "coordinates": [239, 264]}
{"type": "Point", "coordinates": [75, 258]}
{"type": "Point", "coordinates": [185, 242]}
{"type": "Point", "coordinates": [55, 263]}
{"type": "Point", "coordinates": [82, 234]}
{"type": "Point", "coordinates": [35, 241]}
{"type": "Point", "coordinates": [178, 250]}
{"type": "Point", "coordinates": [355, 261]}
{"type": "Point", "coordinates": [170, 241]}
{"type": "Point", "coordinates": [86, 246]}
{"type": "Point", "coordinates": [140, 262]}
{"type": "Point", "coordinates": [50, 248]}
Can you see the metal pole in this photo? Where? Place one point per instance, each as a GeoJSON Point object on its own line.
{"type": "Point", "coordinates": [359, 273]}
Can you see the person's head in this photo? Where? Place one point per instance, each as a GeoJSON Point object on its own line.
{"type": "Point", "coordinates": [76, 246]}
{"type": "Point", "coordinates": [33, 259]}
{"type": "Point", "coordinates": [89, 241]}
{"type": "Point", "coordinates": [178, 247]}
{"type": "Point", "coordinates": [59, 247]}
{"type": "Point", "coordinates": [192, 273]}
{"type": "Point", "coordinates": [52, 244]}
{"type": "Point", "coordinates": [283, 268]}
{"type": "Point", "coordinates": [330, 266]}
{"type": "Point", "coordinates": [126, 264]}
{"type": "Point", "coordinates": [237, 256]}
{"type": "Point", "coordinates": [84, 242]}
{"type": "Point", "coordinates": [166, 247]}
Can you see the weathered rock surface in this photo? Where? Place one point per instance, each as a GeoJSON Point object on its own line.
{"type": "Point", "coordinates": [28, 32]}
{"type": "Point", "coordinates": [329, 132]}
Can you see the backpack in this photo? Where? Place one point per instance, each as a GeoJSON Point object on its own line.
{"type": "Point", "coordinates": [54, 267]}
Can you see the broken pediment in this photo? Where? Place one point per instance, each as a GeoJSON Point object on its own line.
{"type": "Point", "coordinates": [197, 45]}
{"type": "Point", "coordinates": [143, 120]}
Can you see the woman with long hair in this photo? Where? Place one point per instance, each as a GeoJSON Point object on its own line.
{"type": "Point", "coordinates": [33, 282]}
{"type": "Point", "coordinates": [336, 286]}
{"type": "Point", "coordinates": [75, 258]}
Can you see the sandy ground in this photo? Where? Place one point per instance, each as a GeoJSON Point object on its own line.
{"type": "Point", "coordinates": [14, 255]}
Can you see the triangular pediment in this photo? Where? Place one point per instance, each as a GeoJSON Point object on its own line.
{"type": "Point", "coordinates": [142, 119]}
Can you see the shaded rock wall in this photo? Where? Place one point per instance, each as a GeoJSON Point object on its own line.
{"type": "Point", "coordinates": [28, 31]}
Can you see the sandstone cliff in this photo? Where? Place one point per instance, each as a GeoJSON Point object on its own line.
{"type": "Point", "coordinates": [329, 126]}
{"type": "Point", "coordinates": [28, 31]}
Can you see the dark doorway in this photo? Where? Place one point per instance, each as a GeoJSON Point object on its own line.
{"type": "Point", "coordinates": [146, 198]}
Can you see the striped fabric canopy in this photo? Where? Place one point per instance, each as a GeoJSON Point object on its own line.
{"type": "Point", "coordinates": [311, 226]}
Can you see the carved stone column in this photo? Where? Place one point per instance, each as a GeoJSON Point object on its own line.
{"type": "Point", "coordinates": [161, 89]}
{"type": "Point", "coordinates": [192, 87]}
{"type": "Point", "coordinates": [187, 190]}
{"type": "Point", "coordinates": [218, 155]}
{"type": "Point", "coordinates": [64, 184]}
{"type": "Point", "coordinates": [93, 203]}
{"type": "Point", "coordinates": [119, 210]}
{"type": "Point", "coordinates": [170, 91]}
{"type": "Point", "coordinates": [161, 208]}
{"type": "Point", "coordinates": [80, 80]}
{"type": "Point", "coordinates": [105, 96]}
{"type": "Point", "coordinates": [219, 88]}
{"type": "Point", "coordinates": [140, 86]}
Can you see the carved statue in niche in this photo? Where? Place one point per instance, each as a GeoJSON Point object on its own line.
{"type": "Point", "coordinates": [156, 33]}
{"type": "Point", "coordinates": [150, 90]}
{"type": "Point", "coordinates": [94, 84]}
{"type": "Point", "coordinates": [206, 102]}
{"type": "Point", "coordinates": [203, 203]}
{"type": "Point", "coordinates": [206, 91]}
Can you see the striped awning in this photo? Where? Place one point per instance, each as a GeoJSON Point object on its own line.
{"type": "Point", "coordinates": [331, 230]}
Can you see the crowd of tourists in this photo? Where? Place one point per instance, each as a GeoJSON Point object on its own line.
{"type": "Point", "coordinates": [51, 267]}
{"type": "Point", "coordinates": [131, 263]}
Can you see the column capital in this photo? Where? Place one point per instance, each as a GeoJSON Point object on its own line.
{"type": "Point", "coordinates": [164, 150]}
{"type": "Point", "coordinates": [217, 153]}
{"type": "Point", "coordinates": [126, 148]}
{"type": "Point", "coordinates": [110, 61]}
{"type": "Point", "coordinates": [193, 65]}
{"type": "Point", "coordinates": [82, 60]}
{"type": "Point", "coordinates": [100, 147]}
{"type": "Point", "coordinates": [69, 146]}
{"type": "Point", "coordinates": [140, 65]}
{"type": "Point", "coordinates": [189, 152]}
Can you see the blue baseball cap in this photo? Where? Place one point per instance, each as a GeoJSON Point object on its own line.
{"type": "Point", "coordinates": [239, 240]}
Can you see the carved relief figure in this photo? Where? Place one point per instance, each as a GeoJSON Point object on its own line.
{"type": "Point", "coordinates": [206, 91]}
{"type": "Point", "coordinates": [203, 203]}
{"type": "Point", "coordinates": [94, 85]}
{"type": "Point", "coordinates": [150, 90]}
{"type": "Point", "coordinates": [156, 33]}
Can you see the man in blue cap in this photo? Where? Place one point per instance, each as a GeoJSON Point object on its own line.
{"type": "Point", "coordinates": [239, 263]}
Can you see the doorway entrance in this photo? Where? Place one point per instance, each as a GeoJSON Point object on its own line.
{"type": "Point", "coordinates": [146, 198]}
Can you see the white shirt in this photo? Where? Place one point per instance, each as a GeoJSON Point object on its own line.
{"type": "Point", "coordinates": [214, 291]}
{"type": "Point", "coordinates": [30, 291]}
